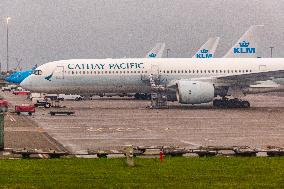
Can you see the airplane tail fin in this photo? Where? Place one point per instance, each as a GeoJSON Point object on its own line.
{"type": "Point", "coordinates": [247, 45]}
{"type": "Point", "coordinates": [208, 49]}
{"type": "Point", "coordinates": [157, 51]}
{"type": "Point", "coordinates": [34, 67]}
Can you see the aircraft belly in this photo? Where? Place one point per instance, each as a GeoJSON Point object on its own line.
{"type": "Point", "coordinates": [100, 84]}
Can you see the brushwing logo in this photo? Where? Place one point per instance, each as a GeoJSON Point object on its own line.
{"type": "Point", "coordinates": [244, 48]}
{"type": "Point", "coordinates": [49, 77]}
{"type": "Point", "coordinates": [152, 55]}
{"type": "Point", "coordinates": [204, 54]}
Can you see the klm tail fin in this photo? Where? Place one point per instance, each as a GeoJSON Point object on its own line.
{"type": "Point", "coordinates": [208, 49]}
{"type": "Point", "coordinates": [157, 51]}
{"type": "Point", "coordinates": [247, 45]}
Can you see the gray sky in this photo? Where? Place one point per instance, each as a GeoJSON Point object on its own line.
{"type": "Point", "coordinates": [47, 30]}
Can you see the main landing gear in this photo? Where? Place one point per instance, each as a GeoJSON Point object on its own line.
{"type": "Point", "coordinates": [230, 103]}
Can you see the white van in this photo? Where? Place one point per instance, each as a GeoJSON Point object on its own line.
{"type": "Point", "coordinates": [70, 97]}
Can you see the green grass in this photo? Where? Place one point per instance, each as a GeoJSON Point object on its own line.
{"type": "Point", "coordinates": [216, 172]}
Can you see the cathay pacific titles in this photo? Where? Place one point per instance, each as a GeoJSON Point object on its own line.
{"type": "Point", "coordinates": [116, 66]}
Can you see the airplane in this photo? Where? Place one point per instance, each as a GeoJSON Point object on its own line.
{"type": "Point", "coordinates": [194, 80]}
{"type": "Point", "coordinates": [208, 49]}
{"type": "Point", "coordinates": [19, 76]}
{"type": "Point", "coordinates": [247, 45]}
{"type": "Point", "coordinates": [251, 37]}
{"type": "Point", "coordinates": [157, 51]}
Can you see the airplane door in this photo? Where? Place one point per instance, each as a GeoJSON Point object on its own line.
{"type": "Point", "coordinates": [59, 72]}
{"type": "Point", "coordinates": [154, 70]}
{"type": "Point", "coordinates": [262, 67]}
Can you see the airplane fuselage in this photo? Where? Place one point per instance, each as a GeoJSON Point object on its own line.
{"type": "Point", "coordinates": [131, 75]}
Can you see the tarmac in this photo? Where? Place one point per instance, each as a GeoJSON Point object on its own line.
{"type": "Point", "coordinates": [112, 123]}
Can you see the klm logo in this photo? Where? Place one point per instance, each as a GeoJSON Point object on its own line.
{"type": "Point", "coordinates": [152, 55]}
{"type": "Point", "coordinates": [244, 49]}
{"type": "Point", "coordinates": [204, 54]}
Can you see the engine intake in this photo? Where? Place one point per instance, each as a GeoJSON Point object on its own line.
{"type": "Point", "coordinates": [194, 92]}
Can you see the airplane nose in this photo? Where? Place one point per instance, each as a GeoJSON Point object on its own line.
{"type": "Point", "coordinates": [25, 84]}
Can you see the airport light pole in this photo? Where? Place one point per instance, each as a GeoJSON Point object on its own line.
{"type": "Point", "coordinates": [7, 60]}
{"type": "Point", "coordinates": [271, 51]}
{"type": "Point", "coordinates": [168, 50]}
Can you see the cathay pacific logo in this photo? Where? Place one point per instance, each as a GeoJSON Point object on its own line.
{"type": "Point", "coordinates": [244, 48]}
{"type": "Point", "coordinates": [49, 77]}
{"type": "Point", "coordinates": [152, 55]}
{"type": "Point", "coordinates": [204, 54]}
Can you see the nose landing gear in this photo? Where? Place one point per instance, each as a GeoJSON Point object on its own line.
{"type": "Point", "coordinates": [230, 103]}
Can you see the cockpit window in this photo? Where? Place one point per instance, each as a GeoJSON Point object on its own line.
{"type": "Point", "coordinates": [37, 72]}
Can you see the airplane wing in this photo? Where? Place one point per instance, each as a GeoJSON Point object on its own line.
{"type": "Point", "coordinates": [250, 78]}
{"type": "Point", "coordinates": [242, 80]}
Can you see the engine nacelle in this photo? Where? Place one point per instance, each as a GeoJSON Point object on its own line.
{"type": "Point", "coordinates": [194, 92]}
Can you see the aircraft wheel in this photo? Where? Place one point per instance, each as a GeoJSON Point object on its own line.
{"type": "Point", "coordinates": [246, 104]}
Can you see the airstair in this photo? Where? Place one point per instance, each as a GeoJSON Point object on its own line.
{"type": "Point", "coordinates": [158, 92]}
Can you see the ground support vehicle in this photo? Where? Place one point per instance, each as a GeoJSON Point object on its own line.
{"type": "Point", "coordinates": [30, 109]}
{"type": "Point", "coordinates": [42, 103]}
{"type": "Point", "coordinates": [3, 105]}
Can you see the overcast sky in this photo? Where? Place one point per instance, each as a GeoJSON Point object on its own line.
{"type": "Point", "coordinates": [45, 30]}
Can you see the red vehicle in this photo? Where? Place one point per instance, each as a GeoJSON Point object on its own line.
{"type": "Point", "coordinates": [25, 108]}
{"type": "Point", "coordinates": [3, 105]}
{"type": "Point", "coordinates": [21, 92]}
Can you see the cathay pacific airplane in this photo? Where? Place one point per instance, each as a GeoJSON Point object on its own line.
{"type": "Point", "coordinates": [195, 81]}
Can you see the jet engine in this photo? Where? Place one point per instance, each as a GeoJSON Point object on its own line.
{"type": "Point", "coordinates": [194, 92]}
